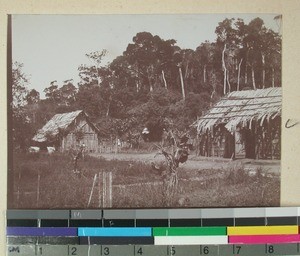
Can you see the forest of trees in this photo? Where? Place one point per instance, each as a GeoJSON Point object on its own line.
{"type": "Point", "coordinates": [154, 83]}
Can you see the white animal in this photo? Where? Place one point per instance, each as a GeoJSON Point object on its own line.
{"type": "Point", "coordinates": [50, 150]}
{"type": "Point", "coordinates": [34, 149]}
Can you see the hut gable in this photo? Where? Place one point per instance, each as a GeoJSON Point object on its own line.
{"type": "Point", "coordinates": [55, 124]}
{"type": "Point", "coordinates": [68, 129]}
{"type": "Point", "coordinates": [242, 108]}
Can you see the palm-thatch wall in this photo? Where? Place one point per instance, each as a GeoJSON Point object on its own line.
{"type": "Point", "coordinates": [242, 124]}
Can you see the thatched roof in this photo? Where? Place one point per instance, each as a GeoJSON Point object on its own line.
{"type": "Point", "coordinates": [57, 123]}
{"type": "Point", "coordinates": [242, 108]}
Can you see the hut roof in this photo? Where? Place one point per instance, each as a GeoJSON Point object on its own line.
{"type": "Point", "coordinates": [241, 108]}
{"type": "Point", "coordinates": [57, 123]}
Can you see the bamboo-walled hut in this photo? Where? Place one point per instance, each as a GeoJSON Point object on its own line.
{"type": "Point", "coordinates": [68, 131]}
{"type": "Point", "coordinates": [242, 124]}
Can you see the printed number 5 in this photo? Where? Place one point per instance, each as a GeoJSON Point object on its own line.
{"type": "Point", "coordinates": [172, 251]}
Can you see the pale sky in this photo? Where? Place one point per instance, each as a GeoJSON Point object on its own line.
{"type": "Point", "coordinates": [52, 47]}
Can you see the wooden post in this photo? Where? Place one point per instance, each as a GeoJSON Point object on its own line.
{"type": "Point", "coordinates": [38, 190]}
{"type": "Point", "coordinates": [91, 194]}
{"type": "Point", "coordinates": [107, 190]}
{"type": "Point", "coordinates": [104, 190]}
{"type": "Point", "coordinates": [110, 189]}
{"type": "Point", "coordinates": [18, 191]}
{"type": "Point", "coordinates": [99, 189]}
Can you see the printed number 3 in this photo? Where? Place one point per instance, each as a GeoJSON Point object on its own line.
{"type": "Point", "coordinates": [106, 251]}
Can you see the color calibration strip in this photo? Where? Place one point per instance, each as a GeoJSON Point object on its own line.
{"type": "Point", "coordinates": [167, 236]}
{"type": "Point", "coordinates": [235, 231]}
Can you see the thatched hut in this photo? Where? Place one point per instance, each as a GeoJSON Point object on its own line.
{"type": "Point", "coordinates": [68, 131]}
{"type": "Point", "coordinates": [242, 124]}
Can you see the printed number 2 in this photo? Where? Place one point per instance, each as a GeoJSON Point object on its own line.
{"type": "Point", "coordinates": [73, 251]}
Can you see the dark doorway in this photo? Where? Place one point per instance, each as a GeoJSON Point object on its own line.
{"type": "Point", "coordinates": [249, 143]}
{"type": "Point", "coordinates": [229, 145]}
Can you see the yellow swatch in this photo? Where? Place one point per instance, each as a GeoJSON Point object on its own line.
{"type": "Point", "coordinates": [262, 230]}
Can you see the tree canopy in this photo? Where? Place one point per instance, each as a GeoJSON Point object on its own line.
{"type": "Point", "coordinates": [158, 85]}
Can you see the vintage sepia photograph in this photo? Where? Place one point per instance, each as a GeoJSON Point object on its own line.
{"type": "Point", "coordinates": [144, 111]}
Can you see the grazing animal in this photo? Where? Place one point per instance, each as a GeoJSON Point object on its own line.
{"type": "Point", "coordinates": [50, 150]}
{"type": "Point", "coordinates": [33, 149]}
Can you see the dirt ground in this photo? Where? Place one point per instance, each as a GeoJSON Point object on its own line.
{"type": "Point", "coordinates": [198, 162]}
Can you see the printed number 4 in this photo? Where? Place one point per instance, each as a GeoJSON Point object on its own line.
{"type": "Point", "coordinates": [140, 251]}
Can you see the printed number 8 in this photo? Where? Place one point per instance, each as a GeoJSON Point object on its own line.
{"type": "Point", "coordinates": [269, 249]}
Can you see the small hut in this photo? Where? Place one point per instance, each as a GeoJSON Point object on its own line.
{"type": "Point", "coordinates": [68, 131]}
{"type": "Point", "coordinates": [243, 124]}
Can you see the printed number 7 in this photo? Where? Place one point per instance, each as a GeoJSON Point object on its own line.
{"type": "Point", "coordinates": [237, 249]}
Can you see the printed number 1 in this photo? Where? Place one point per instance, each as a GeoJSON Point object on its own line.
{"type": "Point", "coordinates": [40, 251]}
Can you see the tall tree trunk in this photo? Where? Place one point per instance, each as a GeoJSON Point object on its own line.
{"type": "Point", "coordinates": [186, 70]}
{"type": "Point", "coordinates": [149, 80]}
{"type": "Point", "coordinates": [204, 73]}
{"type": "Point", "coordinates": [253, 77]}
{"type": "Point", "coordinates": [164, 78]}
{"type": "Point", "coordinates": [182, 84]}
{"type": "Point", "coordinates": [239, 74]}
{"type": "Point", "coordinates": [273, 78]}
{"type": "Point", "coordinates": [108, 107]}
{"type": "Point", "coordinates": [263, 71]}
{"type": "Point", "coordinates": [246, 68]}
{"type": "Point", "coordinates": [246, 74]}
{"type": "Point", "coordinates": [224, 69]}
{"type": "Point", "coordinates": [227, 78]}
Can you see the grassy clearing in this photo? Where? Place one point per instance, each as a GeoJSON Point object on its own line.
{"type": "Point", "coordinates": [134, 184]}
